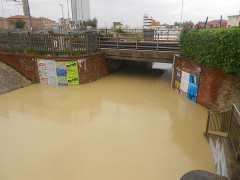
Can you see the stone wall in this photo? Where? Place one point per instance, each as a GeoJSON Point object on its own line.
{"type": "Point", "coordinates": [210, 80]}
{"type": "Point", "coordinates": [95, 67]}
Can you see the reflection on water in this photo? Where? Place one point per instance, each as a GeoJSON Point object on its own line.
{"type": "Point", "coordinates": [125, 126]}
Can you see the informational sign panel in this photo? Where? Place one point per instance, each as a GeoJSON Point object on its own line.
{"type": "Point", "coordinates": [72, 73]}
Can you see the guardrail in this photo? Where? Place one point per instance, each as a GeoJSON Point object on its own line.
{"type": "Point", "coordinates": [49, 43]}
{"type": "Point", "coordinates": [226, 123]}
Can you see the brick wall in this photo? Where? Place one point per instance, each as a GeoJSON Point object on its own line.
{"type": "Point", "coordinates": [210, 80]}
{"type": "Point", "coordinates": [95, 67]}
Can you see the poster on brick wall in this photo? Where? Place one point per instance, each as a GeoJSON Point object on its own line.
{"type": "Point", "coordinates": [82, 63]}
{"type": "Point", "coordinates": [42, 70]}
{"type": "Point", "coordinates": [61, 74]}
{"type": "Point", "coordinates": [72, 73]}
{"type": "Point", "coordinates": [186, 83]}
{"type": "Point", "coordinates": [51, 72]}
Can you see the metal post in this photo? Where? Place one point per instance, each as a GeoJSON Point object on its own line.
{"type": "Point", "coordinates": [99, 41]}
{"type": "Point", "coordinates": [221, 22]}
{"type": "Point", "coordinates": [10, 40]}
{"type": "Point", "coordinates": [206, 22]}
{"type": "Point", "coordinates": [167, 35]}
{"type": "Point", "coordinates": [157, 41]}
{"type": "Point", "coordinates": [181, 14]}
{"type": "Point", "coordinates": [87, 45]}
{"type": "Point", "coordinates": [30, 42]}
{"type": "Point", "coordinates": [68, 9]}
{"type": "Point", "coordinates": [70, 44]}
{"type": "Point", "coordinates": [117, 40]}
{"type": "Point", "coordinates": [136, 40]}
{"type": "Point", "coordinates": [52, 42]}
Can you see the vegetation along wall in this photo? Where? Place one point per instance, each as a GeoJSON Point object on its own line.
{"type": "Point", "coordinates": [216, 52]}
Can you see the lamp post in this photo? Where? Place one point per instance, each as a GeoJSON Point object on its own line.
{"type": "Point", "coordinates": [63, 21]}
{"type": "Point", "coordinates": [62, 10]}
{"type": "Point", "coordinates": [181, 14]}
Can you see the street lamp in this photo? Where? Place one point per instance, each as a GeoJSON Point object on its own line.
{"type": "Point", "coordinates": [181, 14]}
{"type": "Point", "coordinates": [62, 10]}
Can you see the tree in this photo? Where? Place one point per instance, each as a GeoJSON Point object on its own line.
{"type": "Point", "coordinates": [20, 23]}
{"type": "Point", "coordinates": [185, 24]}
{"type": "Point", "coordinates": [90, 22]}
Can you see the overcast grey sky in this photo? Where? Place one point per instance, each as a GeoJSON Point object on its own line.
{"type": "Point", "coordinates": [131, 11]}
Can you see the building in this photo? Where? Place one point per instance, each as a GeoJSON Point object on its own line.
{"type": "Point", "coordinates": [117, 25]}
{"type": "Point", "coordinates": [37, 23]}
{"type": "Point", "coordinates": [80, 10]}
{"type": "Point", "coordinates": [47, 23]}
{"type": "Point", "coordinates": [233, 21]}
{"type": "Point", "coordinates": [216, 23]}
{"type": "Point", "coordinates": [149, 22]}
{"type": "Point", "coordinates": [5, 23]}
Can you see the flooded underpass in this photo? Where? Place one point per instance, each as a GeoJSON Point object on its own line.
{"type": "Point", "coordinates": [128, 125]}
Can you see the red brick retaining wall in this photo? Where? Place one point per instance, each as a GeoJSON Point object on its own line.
{"type": "Point", "coordinates": [210, 80]}
{"type": "Point", "coordinates": [94, 68]}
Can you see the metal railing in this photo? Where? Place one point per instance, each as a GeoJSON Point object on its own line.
{"type": "Point", "coordinates": [54, 44]}
{"type": "Point", "coordinates": [226, 123]}
{"type": "Point", "coordinates": [138, 41]}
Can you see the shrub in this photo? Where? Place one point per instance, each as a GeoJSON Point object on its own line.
{"type": "Point", "coordinates": [219, 48]}
{"type": "Point", "coordinates": [20, 23]}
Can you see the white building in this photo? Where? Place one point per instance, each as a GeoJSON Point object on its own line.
{"type": "Point", "coordinates": [80, 10]}
{"type": "Point", "coordinates": [147, 21]}
{"type": "Point", "coordinates": [233, 21]}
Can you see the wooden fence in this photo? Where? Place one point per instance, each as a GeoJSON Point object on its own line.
{"type": "Point", "coordinates": [54, 44]}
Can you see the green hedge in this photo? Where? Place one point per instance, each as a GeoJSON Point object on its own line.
{"type": "Point", "coordinates": [219, 48]}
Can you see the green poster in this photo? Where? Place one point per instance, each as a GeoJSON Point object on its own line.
{"type": "Point", "coordinates": [72, 73]}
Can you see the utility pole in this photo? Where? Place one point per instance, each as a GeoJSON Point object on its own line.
{"type": "Point", "coordinates": [63, 21]}
{"type": "Point", "coordinates": [3, 15]}
{"type": "Point", "coordinates": [206, 23]}
{"type": "Point", "coordinates": [221, 22]}
{"type": "Point", "coordinates": [68, 9]}
{"type": "Point", "coordinates": [26, 11]}
{"type": "Point", "coordinates": [181, 14]}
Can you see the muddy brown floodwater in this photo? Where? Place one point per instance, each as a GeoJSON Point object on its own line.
{"type": "Point", "coordinates": [126, 126]}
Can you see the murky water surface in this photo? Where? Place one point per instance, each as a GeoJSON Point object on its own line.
{"type": "Point", "coordinates": [127, 126]}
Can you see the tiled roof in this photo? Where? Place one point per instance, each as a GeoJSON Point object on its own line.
{"type": "Point", "coordinates": [21, 17]}
{"type": "Point", "coordinates": [217, 22]}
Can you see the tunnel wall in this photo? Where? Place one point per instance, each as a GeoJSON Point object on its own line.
{"type": "Point", "coordinates": [210, 80]}
{"type": "Point", "coordinates": [95, 67]}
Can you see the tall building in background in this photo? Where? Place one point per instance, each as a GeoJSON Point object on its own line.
{"type": "Point", "coordinates": [80, 10]}
{"type": "Point", "coordinates": [25, 7]}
